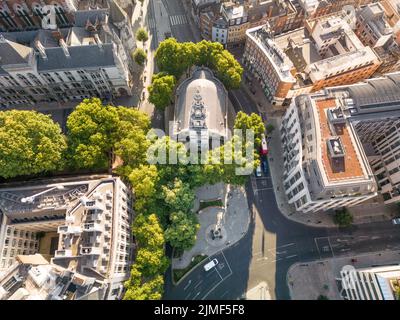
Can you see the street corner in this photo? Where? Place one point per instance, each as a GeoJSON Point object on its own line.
{"type": "Point", "coordinates": [312, 281]}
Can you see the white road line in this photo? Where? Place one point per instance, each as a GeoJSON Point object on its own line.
{"type": "Point", "coordinates": [188, 284]}
{"type": "Point", "coordinates": [199, 283]}
{"type": "Point", "coordinates": [219, 274]}
{"type": "Point", "coordinates": [263, 189]}
{"type": "Point", "coordinates": [178, 20]}
{"type": "Point", "coordinates": [196, 295]}
{"type": "Point", "coordinates": [331, 247]}
{"type": "Point", "coordinates": [287, 245]}
{"type": "Point", "coordinates": [316, 244]}
{"type": "Point", "coordinates": [227, 263]}
{"type": "Point", "coordinates": [188, 295]}
{"type": "Point", "coordinates": [292, 256]}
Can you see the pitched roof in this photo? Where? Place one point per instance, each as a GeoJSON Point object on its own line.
{"type": "Point", "coordinates": [12, 53]}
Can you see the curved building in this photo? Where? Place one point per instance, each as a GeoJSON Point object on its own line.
{"type": "Point", "coordinates": [200, 113]}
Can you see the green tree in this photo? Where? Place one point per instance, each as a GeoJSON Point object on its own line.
{"type": "Point", "coordinates": [30, 143]}
{"type": "Point", "coordinates": [140, 56]}
{"type": "Point", "coordinates": [171, 57]}
{"type": "Point", "coordinates": [91, 133]}
{"type": "Point", "coordinates": [253, 122]}
{"type": "Point", "coordinates": [96, 132]}
{"type": "Point", "coordinates": [161, 91]}
{"type": "Point", "coordinates": [227, 69]}
{"type": "Point", "coordinates": [343, 218]}
{"type": "Point", "coordinates": [151, 261]}
{"type": "Point", "coordinates": [205, 51]}
{"type": "Point", "coordinates": [152, 289]}
{"type": "Point", "coordinates": [142, 35]}
{"type": "Point", "coordinates": [181, 233]}
{"type": "Point", "coordinates": [148, 232]}
{"type": "Point", "coordinates": [144, 180]}
{"type": "Point", "coordinates": [179, 196]}
{"type": "Point", "coordinates": [230, 163]}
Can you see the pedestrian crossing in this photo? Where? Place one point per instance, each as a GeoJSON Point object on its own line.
{"type": "Point", "coordinates": [179, 19]}
{"type": "Point", "coordinates": [151, 23]}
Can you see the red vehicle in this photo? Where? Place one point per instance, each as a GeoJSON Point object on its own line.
{"type": "Point", "coordinates": [264, 146]}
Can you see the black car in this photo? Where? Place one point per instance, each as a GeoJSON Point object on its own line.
{"type": "Point", "coordinates": [265, 166]}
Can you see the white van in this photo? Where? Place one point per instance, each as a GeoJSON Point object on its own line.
{"type": "Point", "coordinates": [211, 264]}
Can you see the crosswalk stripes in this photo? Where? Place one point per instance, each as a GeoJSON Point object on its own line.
{"type": "Point", "coordinates": [151, 23]}
{"type": "Point", "coordinates": [179, 19]}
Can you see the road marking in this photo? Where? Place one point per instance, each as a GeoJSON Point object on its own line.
{"type": "Point", "coordinates": [292, 256]}
{"type": "Point", "coordinates": [178, 19]}
{"type": "Point", "coordinates": [263, 189]}
{"type": "Point", "coordinates": [188, 284]}
{"type": "Point", "coordinates": [151, 23]}
{"type": "Point", "coordinates": [287, 245]}
{"type": "Point", "coordinates": [331, 247]}
{"type": "Point", "coordinates": [199, 283]}
{"type": "Point", "coordinates": [188, 295]}
{"type": "Point", "coordinates": [227, 263]}
{"type": "Point", "coordinates": [196, 295]}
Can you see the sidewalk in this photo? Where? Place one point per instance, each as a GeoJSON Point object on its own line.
{"type": "Point", "coordinates": [306, 281]}
{"type": "Point", "coordinates": [234, 226]}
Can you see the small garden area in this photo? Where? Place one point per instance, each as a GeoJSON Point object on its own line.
{"type": "Point", "coordinates": [179, 273]}
{"type": "Point", "coordinates": [343, 218]}
{"type": "Point", "coordinates": [212, 203]}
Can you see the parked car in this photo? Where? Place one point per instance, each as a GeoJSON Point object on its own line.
{"type": "Point", "coordinates": [211, 264]}
{"type": "Point", "coordinates": [265, 166]}
{"type": "Point", "coordinates": [264, 146]}
{"type": "Point", "coordinates": [396, 220]}
{"type": "Point", "coordinates": [258, 171]}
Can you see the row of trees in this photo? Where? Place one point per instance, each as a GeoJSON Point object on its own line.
{"type": "Point", "coordinates": [175, 58]}
{"type": "Point", "coordinates": [31, 143]}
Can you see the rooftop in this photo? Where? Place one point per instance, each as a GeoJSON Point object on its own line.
{"type": "Point", "coordinates": [201, 104]}
{"type": "Point", "coordinates": [33, 278]}
{"type": "Point", "coordinates": [80, 212]}
{"type": "Point", "coordinates": [348, 166]}
{"type": "Point", "coordinates": [281, 62]}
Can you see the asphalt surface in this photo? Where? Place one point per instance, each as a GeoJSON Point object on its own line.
{"type": "Point", "coordinates": [273, 243]}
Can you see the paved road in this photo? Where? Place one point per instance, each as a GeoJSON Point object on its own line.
{"type": "Point", "coordinates": [180, 21]}
{"type": "Point", "coordinates": [271, 246]}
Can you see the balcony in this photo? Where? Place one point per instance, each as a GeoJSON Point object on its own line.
{"type": "Point", "coordinates": [75, 230]}
{"type": "Point", "coordinates": [91, 204]}
{"type": "Point", "coordinates": [90, 251]}
{"type": "Point", "coordinates": [67, 253]}
{"type": "Point", "coordinates": [92, 227]}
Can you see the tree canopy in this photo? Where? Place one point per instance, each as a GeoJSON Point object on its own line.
{"type": "Point", "coordinates": [179, 196]}
{"type": "Point", "coordinates": [161, 90]}
{"type": "Point", "coordinates": [181, 233]}
{"type": "Point", "coordinates": [30, 143]}
{"type": "Point", "coordinates": [253, 122]}
{"type": "Point", "coordinates": [175, 58]}
{"type": "Point", "coordinates": [142, 35]}
{"type": "Point", "coordinates": [95, 131]}
{"type": "Point", "coordinates": [140, 56]}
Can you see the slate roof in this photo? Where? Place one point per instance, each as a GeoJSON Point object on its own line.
{"type": "Point", "coordinates": [12, 53]}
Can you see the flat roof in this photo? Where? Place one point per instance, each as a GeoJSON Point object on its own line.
{"type": "Point", "coordinates": [350, 167]}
